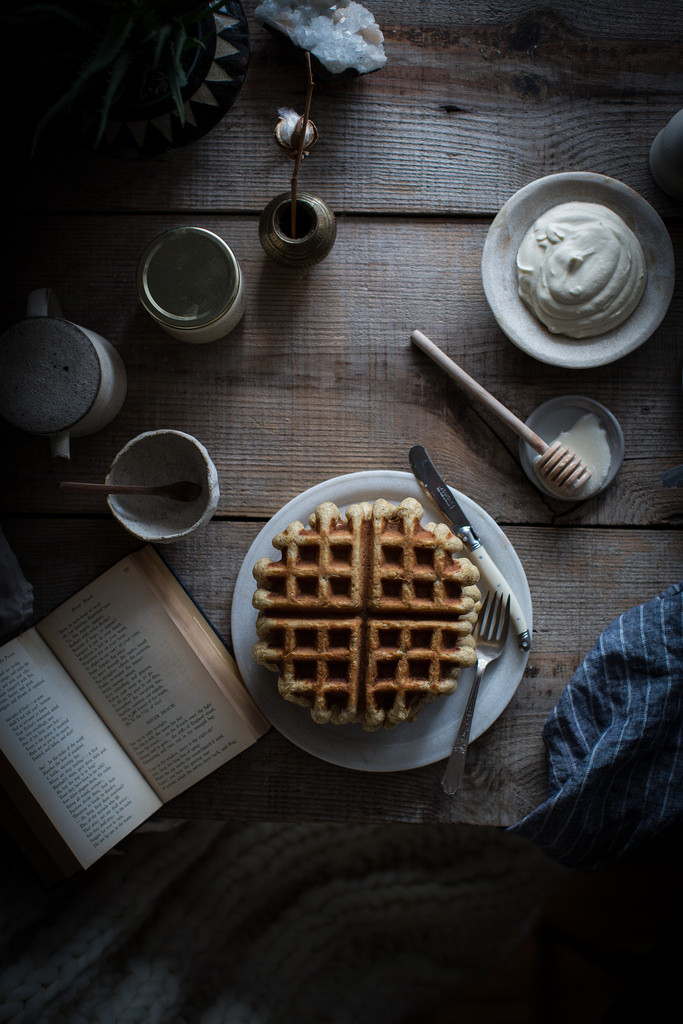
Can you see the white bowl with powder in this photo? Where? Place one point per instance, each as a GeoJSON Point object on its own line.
{"type": "Point", "coordinates": [163, 457]}
{"type": "Point", "coordinates": [500, 273]}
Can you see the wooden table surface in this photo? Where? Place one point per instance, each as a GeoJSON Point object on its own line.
{"type": "Point", "coordinates": [320, 379]}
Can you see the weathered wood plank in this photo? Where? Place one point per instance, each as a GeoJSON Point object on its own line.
{"type": "Point", "coordinates": [580, 578]}
{"type": "Point", "coordinates": [475, 101]}
{"type": "Point", "coordinates": [321, 371]}
{"type": "Point", "coordinates": [595, 576]}
{"type": "Point", "coordinates": [320, 378]}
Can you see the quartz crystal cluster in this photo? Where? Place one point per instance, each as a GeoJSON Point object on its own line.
{"type": "Point", "coordinates": [341, 36]}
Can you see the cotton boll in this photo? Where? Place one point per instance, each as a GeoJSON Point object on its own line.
{"type": "Point", "coordinates": [288, 122]}
{"type": "Point", "coordinates": [288, 132]}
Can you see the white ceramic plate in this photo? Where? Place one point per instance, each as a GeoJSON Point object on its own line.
{"type": "Point", "coordinates": [431, 736]}
{"type": "Point", "coordinates": [499, 269]}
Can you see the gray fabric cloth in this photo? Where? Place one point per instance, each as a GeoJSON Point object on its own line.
{"type": "Point", "coordinates": [615, 743]}
{"type": "Point", "coordinates": [209, 923]}
{"type": "Point", "coordinates": [16, 593]}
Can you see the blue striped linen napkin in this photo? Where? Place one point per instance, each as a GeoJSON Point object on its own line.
{"type": "Point", "coordinates": [614, 743]}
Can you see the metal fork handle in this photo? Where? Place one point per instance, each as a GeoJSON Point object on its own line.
{"type": "Point", "coordinates": [452, 779]}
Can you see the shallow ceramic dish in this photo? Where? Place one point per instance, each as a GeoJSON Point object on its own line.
{"type": "Point", "coordinates": [499, 269]}
{"type": "Point", "coordinates": [429, 738]}
{"type": "Point", "coordinates": [162, 457]}
{"type": "Point", "coordinates": [559, 414]}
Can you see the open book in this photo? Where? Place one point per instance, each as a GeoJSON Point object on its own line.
{"type": "Point", "coordinates": [116, 702]}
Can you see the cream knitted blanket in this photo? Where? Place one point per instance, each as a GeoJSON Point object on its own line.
{"type": "Point", "coordinates": [209, 923]}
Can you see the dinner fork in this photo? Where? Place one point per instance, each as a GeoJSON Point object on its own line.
{"type": "Point", "coordinates": [490, 635]}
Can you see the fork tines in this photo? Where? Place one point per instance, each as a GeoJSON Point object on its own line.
{"type": "Point", "coordinates": [494, 614]}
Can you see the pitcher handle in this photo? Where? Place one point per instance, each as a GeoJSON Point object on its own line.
{"type": "Point", "coordinates": [60, 445]}
{"type": "Point", "coordinates": [43, 302]}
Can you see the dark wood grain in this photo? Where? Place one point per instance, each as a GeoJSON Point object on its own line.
{"type": "Point", "coordinates": [320, 378]}
{"type": "Point", "coordinates": [475, 100]}
{"type": "Point", "coordinates": [580, 580]}
{"type": "Point", "coordinates": [331, 348]}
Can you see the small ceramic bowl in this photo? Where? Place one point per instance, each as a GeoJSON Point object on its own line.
{"type": "Point", "coordinates": [499, 269]}
{"type": "Point", "coordinates": [162, 457]}
{"type": "Point", "coordinates": [560, 414]}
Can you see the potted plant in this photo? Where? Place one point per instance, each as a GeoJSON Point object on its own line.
{"type": "Point", "coordinates": [125, 74]}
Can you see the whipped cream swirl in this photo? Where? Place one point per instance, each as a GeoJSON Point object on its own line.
{"type": "Point", "coordinates": [581, 270]}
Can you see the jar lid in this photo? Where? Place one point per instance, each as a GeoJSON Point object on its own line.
{"type": "Point", "coordinates": [187, 278]}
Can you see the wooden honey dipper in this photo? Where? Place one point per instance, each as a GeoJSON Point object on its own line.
{"type": "Point", "coordinates": [558, 464]}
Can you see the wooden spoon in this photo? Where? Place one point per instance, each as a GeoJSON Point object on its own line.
{"type": "Point", "coordinates": [182, 490]}
{"type": "Point", "coordinates": [558, 464]}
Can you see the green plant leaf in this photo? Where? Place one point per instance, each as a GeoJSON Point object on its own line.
{"type": "Point", "coordinates": [91, 40]}
{"type": "Point", "coordinates": [104, 57]}
{"type": "Point", "coordinates": [162, 38]}
{"type": "Point", "coordinates": [175, 72]}
{"type": "Point", "coordinates": [116, 77]}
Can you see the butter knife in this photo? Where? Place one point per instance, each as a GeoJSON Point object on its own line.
{"type": "Point", "coordinates": [427, 475]}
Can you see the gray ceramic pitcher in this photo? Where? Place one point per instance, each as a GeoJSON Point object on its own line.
{"type": "Point", "coordinates": [58, 379]}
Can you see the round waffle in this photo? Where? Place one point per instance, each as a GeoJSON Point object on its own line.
{"type": "Point", "coordinates": [367, 616]}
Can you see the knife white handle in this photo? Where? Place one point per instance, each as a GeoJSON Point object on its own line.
{"type": "Point", "coordinates": [497, 582]}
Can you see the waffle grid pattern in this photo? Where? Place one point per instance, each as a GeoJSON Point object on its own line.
{"type": "Point", "coordinates": [366, 619]}
{"type": "Point", "coordinates": [320, 567]}
{"type": "Point", "coordinates": [318, 664]}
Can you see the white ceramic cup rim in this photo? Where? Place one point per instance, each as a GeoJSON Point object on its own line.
{"type": "Point", "coordinates": [128, 509]}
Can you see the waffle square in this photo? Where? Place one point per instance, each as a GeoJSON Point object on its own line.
{"type": "Point", "coordinates": [320, 567]}
{"type": "Point", "coordinates": [410, 663]}
{"type": "Point", "coordinates": [366, 617]}
{"type": "Point", "coordinates": [318, 663]}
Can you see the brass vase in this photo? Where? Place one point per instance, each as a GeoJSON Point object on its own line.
{"type": "Point", "coordinates": [316, 230]}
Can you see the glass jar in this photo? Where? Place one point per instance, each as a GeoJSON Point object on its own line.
{"type": "Point", "coordinates": [190, 283]}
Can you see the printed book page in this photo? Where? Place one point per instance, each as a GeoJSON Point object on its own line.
{"type": "Point", "coordinates": [199, 634]}
{"type": "Point", "coordinates": [119, 643]}
{"type": "Point", "coordinates": [64, 753]}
